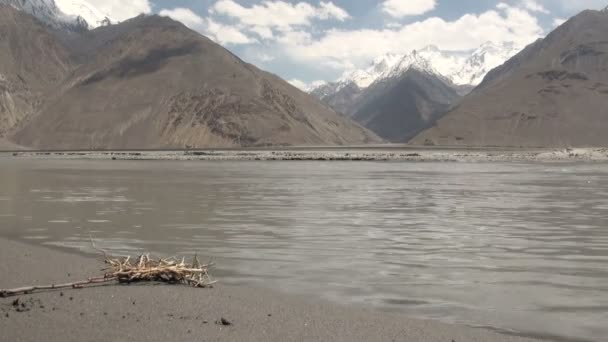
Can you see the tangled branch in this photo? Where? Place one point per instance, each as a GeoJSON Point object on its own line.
{"type": "Point", "coordinates": [141, 269]}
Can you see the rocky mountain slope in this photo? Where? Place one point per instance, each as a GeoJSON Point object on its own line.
{"type": "Point", "coordinates": [553, 93]}
{"type": "Point", "coordinates": [448, 75]}
{"type": "Point", "coordinates": [402, 106]}
{"type": "Point", "coordinates": [397, 97]}
{"type": "Point", "coordinates": [32, 62]}
{"type": "Point", "coordinates": [150, 82]}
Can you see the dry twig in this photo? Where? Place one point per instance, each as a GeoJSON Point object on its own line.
{"type": "Point", "coordinates": [142, 269]}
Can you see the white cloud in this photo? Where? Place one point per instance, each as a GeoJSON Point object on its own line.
{"type": "Point", "coordinates": [404, 8]}
{"type": "Point", "coordinates": [122, 10]}
{"type": "Point", "coordinates": [306, 86]}
{"type": "Point", "coordinates": [534, 6]}
{"type": "Point", "coordinates": [328, 10]}
{"type": "Point", "coordinates": [262, 32]}
{"type": "Point", "coordinates": [184, 15]}
{"type": "Point", "coordinates": [298, 84]}
{"type": "Point", "coordinates": [264, 57]}
{"type": "Point", "coordinates": [225, 34]}
{"type": "Point", "coordinates": [269, 16]}
{"type": "Point", "coordinates": [558, 21]}
{"type": "Point", "coordinates": [340, 48]}
{"type": "Point", "coordinates": [221, 33]}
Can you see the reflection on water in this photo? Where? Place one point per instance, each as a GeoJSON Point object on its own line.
{"type": "Point", "coordinates": [519, 247]}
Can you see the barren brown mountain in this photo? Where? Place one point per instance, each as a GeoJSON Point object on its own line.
{"type": "Point", "coordinates": [32, 61]}
{"type": "Point", "coordinates": [553, 93]}
{"type": "Point", "coordinates": [150, 82]}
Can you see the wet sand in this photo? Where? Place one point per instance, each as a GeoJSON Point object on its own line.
{"type": "Point", "coordinates": [376, 153]}
{"type": "Point", "coordinates": [178, 313]}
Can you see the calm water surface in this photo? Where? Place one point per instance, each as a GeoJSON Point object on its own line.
{"type": "Point", "coordinates": [516, 247]}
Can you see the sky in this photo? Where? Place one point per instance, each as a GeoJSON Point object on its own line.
{"type": "Point", "coordinates": [304, 41]}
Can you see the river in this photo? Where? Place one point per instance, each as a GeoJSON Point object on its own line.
{"type": "Point", "coordinates": [517, 247]}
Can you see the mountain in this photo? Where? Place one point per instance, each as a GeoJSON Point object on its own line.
{"type": "Point", "coordinates": [357, 92]}
{"type": "Point", "coordinates": [396, 97]}
{"type": "Point", "coordinates": [461, 70]}
{"type": "Point", "coordinates": [85, 10]}
{"type": "Point", "coordinates": [150, 82]}
{"type": "Point", "coordinates": [401, 106]}
{"type": "Point", "coordinates": [553, 93]}
{"type": "Point", "coordinates": [32, 62]}
{"type": "Point", "coordinates": [48, 12]}
{"type": "Point", "coordinates": [487, 57]}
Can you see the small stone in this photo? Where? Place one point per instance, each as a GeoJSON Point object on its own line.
{"type": "Point", "coordinates": [16, 302]}
{"type": "Point", "coordinates": [204, 322]}
{"type": "Point", "coordinates": [105, 313]}
{"type": "Point", "coordinates": [60, 294]}
{"type": "Point", "coordinates": [269, 315]}
{"type": "Point", "coordinates": [6, 315]}
{"type": "Point", "coordinates": [224, 321]}
{"type": "Point", "coordinates": [71, 298]}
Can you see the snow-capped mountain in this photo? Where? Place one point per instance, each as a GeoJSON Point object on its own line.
{"type": "Point", "coordinates": [84, 9]}
{"type": "Point", "coordinates": [460, 69]}
{"type": "Point", "coordinates": [45, 10]}
{"type": "Point", "coordinates": [70, 14]}
{"type": "Point", "coordinates": [377, 69]}
{"type": "Point", "coordinates": [487, 57]}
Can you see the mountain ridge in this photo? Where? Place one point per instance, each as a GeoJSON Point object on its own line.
{"type": "Point", "coordinates": [137, 84]}
{"type": "Point", "coordinates": [399, 107]}
{"type": "Point", "coordinates": [461, 70]}
{"type": "Point", "coordinates": [553, 93]}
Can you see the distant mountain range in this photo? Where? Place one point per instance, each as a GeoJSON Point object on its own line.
{"type": "Point", "coordinates": [84, 80]}
{"type": "Point", "coordinates": [148, 82]}
{"type": "Point", "coordinates": [553, 93]}
{"type": "Point", "coordinates": [460, 69]}
{"type": "Point", "coordinates": [357, 93]}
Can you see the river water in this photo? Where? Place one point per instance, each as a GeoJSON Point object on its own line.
{"type": "Point", "coordinates": [518, 247]}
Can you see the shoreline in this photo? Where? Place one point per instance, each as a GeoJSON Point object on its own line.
{"type": "Point", "coordinates": [387, 153]}
{"type": "Point", "coordinates": [161, 312]}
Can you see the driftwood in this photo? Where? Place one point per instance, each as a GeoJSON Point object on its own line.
{"type": "Point", "coordinates": [143, 268]}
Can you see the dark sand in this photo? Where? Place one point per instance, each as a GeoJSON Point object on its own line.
{"type": "Point", "coordinates": [178, 313]}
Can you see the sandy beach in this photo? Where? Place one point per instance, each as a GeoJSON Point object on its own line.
{"type": "Point", "coordinates": [178, 313]}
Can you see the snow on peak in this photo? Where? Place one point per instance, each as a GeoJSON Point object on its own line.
{"type": "Point", "coordinates": [81, 8]}
{"type": "Point", "coordinates": [363, 78]}
{"type": "Point", "coordinates": [412, 60]}
{"type": "Point", "coordinates": [44, 10]}
{"type": "Point", "coordinates": [62, 13]}
{"type": "Point", "coordinates": [456, 67]}
{"type": "Point", "coordinates": [487, 57]}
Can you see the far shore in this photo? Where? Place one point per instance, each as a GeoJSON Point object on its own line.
{"type": "Point", "coordinates": [180, 313]}
{"type": "Point", "coordinates": [354, 153]}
